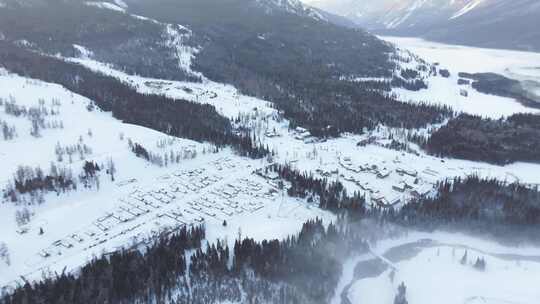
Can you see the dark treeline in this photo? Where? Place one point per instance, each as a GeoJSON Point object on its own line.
{"type": "Point", "coordinates": [29, 185]}
{"type": "Point", "coordinates": [484, 205]}
{"type": "Point", "coordinates": [90, 168]}
{"type": "Point", "coordinates": [140, 151]}
{"type": "Point", "coordinates": [133, 45]}
{"type": "Point", "coordinates": [331, 195]}
{"type": "Point", "coordinates": [472, 203]}
{"type": "Point", "coordinates": [317, 100]}
{"type": "Point", "coordinates": [125, 276]}
{"type": "Point", "coordinates": [300, 269]}
{"type": "Point", "coordinates": [411, 85]}
{"type": "Point", "coordinates": [491, 83]}
{"type": "Point", "coordinates": [179, 118]}
{"type": "Point", "coordinates": [328, 108]}
{"type": "Point", "coordinates": [301, 260]}
{"type": "Point", "coordinates": [36, 181]}
{"type": "Point", "coordinates": [299, 64]}
{"type": "Point", "coordinates": [28, 180]}
{"type": "Point", "coordinates": [516, 138]}
{"type": "Point", "coordinates": [303, 268]}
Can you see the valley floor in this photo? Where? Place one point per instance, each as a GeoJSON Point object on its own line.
{"type": "Point", "coordinates": [521, 66]}
{"type": "Point", "coordinates": [212, 187]}
{"type": "Point", "coordinates": [433, 268]}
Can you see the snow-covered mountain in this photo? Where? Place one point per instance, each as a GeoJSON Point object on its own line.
{"type": "Point", "coordinates": [395, 14]}
{"type": "Point", "coordinates": [203, 132]}
{"type": "Point", "coordinates": [300, 8]}
{"type": "Point", "coordinates": [292, 6]}
{"type": "Point", "coordinates": [487, 23]}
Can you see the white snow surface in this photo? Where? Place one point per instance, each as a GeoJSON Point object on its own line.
{"type": "Point", "coordinates": [270, 215]}
{"type": "Point", "coordinates": [317, 155]}
{"type": "Point", "coordinates": [121, 4]}
{"type": "Point", "coordinates": [467, 8]}
{"type": "Point", "coordinates": [225, 98]}
{"type": "Point", "coordinates": [465, 58]}
{"type": "Point", "coordinates": [107, 5]}
{"type": "Point", "coordinates": [83, 52]}
{"type": "Point", "coordinates": [445, 91]}
{"type": "Point", "coordinates": [436, 274]}
{"type": "Point", "coordinates": [258, 213]}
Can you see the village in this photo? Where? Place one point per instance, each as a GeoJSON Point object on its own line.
{"type": "Point", "coordinates": [395, 182]}
{"type": "Point", "coordinates": [222, 190]}
{"type": "Point", "coordinates": [183, 198]}
{"type": "Point", "coordinates": [384, 181]}
{"type": "Point", "coordinates": [219, 192]}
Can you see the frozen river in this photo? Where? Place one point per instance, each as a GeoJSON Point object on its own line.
{"type": "Point", "coordinates": [433, 267]}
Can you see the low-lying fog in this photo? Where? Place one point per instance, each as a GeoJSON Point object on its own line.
{"type": "Point", "coordinates": [441, 267]}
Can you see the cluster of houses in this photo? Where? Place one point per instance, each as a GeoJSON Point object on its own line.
{"type": "Point", "coordinates": [230, 199]}
{"type": "Point", "coordinates": [194, 184]}
{"type": "Point", "coordinates": [136, 205]}
{"type": "Point", "coordinates": [378, 170]}
{"type": "Point", "coordinates": [301, 133]}
{"type": "Point", "coordinates": [410, 185]}
{"type": "Point", "coordinates": [383, 201]}
{"type": "Point", "coordinates": [416, 190]}
{"type": "Point", "coordinates": [327, 173]}
{"type": "Point", "coordinates": [161, 205]}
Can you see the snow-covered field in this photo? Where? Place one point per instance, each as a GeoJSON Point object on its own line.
{"type": "Point", "coordinates": [265, 216]}
{"type": "Point", "coordinates": [207, 188]}
{"type": "Point", "coordinates": [468, 59]}
{"type": "Point", "coordinates": [435, 271]}
{"type": "Point", "coordinates": [225, 98]}
{"type": "Point", "coordinates": [295, 148]}
{"type": "Point", "coordinates": [523, 66]}
{"type": "Point", "coordinates": [211, 188]}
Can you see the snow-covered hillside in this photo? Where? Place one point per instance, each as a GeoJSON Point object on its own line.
{"type": "Point", "coordinates": [372, 169]}
{"type": "Point", "coordinates": [292, 6]}
{"type": "Point", "coordinates": [485, 23]}
{"type": "Point", "coordinates": [120, 199]}
{"type": "Point", "coordinates": [392, 14]}
{"type": "Point", "coordinates": [66, 229]}
{"type": "Point", "coordinates": [338, 159]}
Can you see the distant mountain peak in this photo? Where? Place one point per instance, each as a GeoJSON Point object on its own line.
{"type": "Point", "coordinates": [292, 6]}
{"type": "Point", "coordinates": [511, 24]}
{"type": "Point", "coordinates": [395, 13]}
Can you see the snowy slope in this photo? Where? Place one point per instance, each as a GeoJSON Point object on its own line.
{"type": "Point", "coordinates": [292, 6]}
{"type": "Point", "coordinates": [106, 5]}
{"type": "Point", "coordinates": [249, 203]}
{"type": "Point", "coordinates": [467, 8]}
{"type": "Point", "coordinates": [392, 14]}
{"type": "Point", "coordinates": [78, 212]}
{"type": "Point", "coordinates": [136, 176]}
{"type": "Point", "coordinates": [485, 23]}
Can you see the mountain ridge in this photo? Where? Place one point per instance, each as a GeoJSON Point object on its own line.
{"type": "Point", "coordinates": [484, 23]}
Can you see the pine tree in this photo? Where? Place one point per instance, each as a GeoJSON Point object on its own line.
{"type": "Point", "coordinates": [463, 260]}
{"type": "Point", "coordinates": [480, 264]}
{"type": "Point", "coordinates": [401, 297]}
